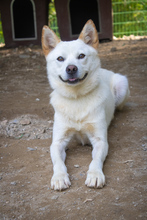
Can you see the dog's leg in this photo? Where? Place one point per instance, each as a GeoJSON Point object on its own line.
{"type": "Point", "coordinates": [95, 176]}
{"type": "Point", "coordinates": [60, 179]}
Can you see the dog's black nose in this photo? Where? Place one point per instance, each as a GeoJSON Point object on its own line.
{"type": "Point", "coordinates": [71, 69]}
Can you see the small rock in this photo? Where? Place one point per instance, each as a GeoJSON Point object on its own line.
{"type": "Point", "coordinates": [34, 56]}
{"type": "Point", "coordinates": [113, 49]}
{"type": "Point", "coordinates": [37, 53]}
{"type": "Point", "coordinates": [131, 104]}
{"type": "Point", "coordinates": [25, 122]}
{"type": "Point", "coordinates": [43, 209]}
{"type": "Point", "coordinates": [54, 197]}
{"type": "Point", "coordinates": [27, 135]}
{"type": "Point", "coordinates": [144, 138]}
{"type": "Point", "coordinates": [30, 149]}
{"type": "Point", "coordinates": [15, 121]}
{"type": "Point", "coordinates": [76, 166]}
{"type": "Point", "coordinates": [50, 121]}
{"type": "Point", "coordinates": [23, 56]}
{"type": "Point", "coordinates": [37, 99]}
{"type": "Point", "coordinates": [4, 123]}
{"type": "Point", "coordinates": [41, 131]}
{"type": "Point", "coordinates": [13, 183]}
{"type": "Point", "coordinates": [27, 50]}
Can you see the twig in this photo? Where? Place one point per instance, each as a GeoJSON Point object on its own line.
{"type": "Point", "coordinates": [88, 200]}
{"type": "Point", "coordinates": [127, 161]}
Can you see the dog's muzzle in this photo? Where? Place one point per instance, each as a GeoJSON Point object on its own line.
{"type": "Point", "coordinates": [71, 71]}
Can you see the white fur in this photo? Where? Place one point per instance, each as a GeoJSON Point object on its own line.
{"type": "Point", "coordinates": [85, 109]}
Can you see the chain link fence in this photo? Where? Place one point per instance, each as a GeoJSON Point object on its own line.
{"type": "Point", "coordinates": [129, 17]}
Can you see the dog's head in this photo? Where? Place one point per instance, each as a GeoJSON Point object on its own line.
{"type": "Point", "coordinates": [71, 64]}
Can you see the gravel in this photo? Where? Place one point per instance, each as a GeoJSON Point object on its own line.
{"type": "Point", "coordinates": [27, 127]}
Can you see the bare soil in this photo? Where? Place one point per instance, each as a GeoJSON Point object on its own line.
{"type": "Point", "coordinates": [26, 120]}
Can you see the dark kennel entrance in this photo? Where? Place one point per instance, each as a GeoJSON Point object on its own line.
{"type": "Point", "coordinates": [23, 19]}
{"type": "Point", "coordinates": [80, 12]}
{"type": "Point", "coordinates": [73, 14]}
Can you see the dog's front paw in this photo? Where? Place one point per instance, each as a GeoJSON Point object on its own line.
{"type": "Point", "coordinates": [95, 179]}
{"type": "Point", "coordinates": [60, 181]}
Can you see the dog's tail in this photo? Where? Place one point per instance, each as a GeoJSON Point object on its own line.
{"type": "Point", "coordinates": [121, 90]}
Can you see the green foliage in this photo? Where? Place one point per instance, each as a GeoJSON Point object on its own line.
{"type": "Point", "coordinates": [129, 17]}
{"type": "Point", "coordinates": [52, 12]}
{"type": "Point", "coordinates": [53, 18]}
{"type": "Point", "coordinates": [1, 32]}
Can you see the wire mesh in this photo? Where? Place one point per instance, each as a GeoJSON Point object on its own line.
{"type": "Point", "coordinates": [129, 17]}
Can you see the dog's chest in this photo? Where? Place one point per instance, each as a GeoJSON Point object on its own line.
{"type": "Point", "coordinates": [77, 110]}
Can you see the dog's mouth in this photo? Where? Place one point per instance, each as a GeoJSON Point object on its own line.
{"type": "Point", "coordinates": [74, 80]}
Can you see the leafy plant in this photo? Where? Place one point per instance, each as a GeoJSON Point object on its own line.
{"type": "Point", "coordinates": [129, 17]}
{"type": "Point", "coordinates": [52, 18]}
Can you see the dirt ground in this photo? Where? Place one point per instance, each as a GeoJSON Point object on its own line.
{"type": "Point", "coordinates": [26, 120]}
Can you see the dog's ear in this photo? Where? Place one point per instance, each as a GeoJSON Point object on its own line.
{"type": "Point", "coordinates": [89, 34]}
{"type": "Point", "coordinates": [49, 40]}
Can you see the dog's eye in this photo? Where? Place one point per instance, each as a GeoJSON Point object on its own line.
{"type": "Point", "coordinates": [81, 56]}
{"type": "Point", "coordinates": [60, 59]}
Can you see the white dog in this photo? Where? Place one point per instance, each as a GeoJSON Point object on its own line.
{"type": "Point", "coordinates": [84, 98]}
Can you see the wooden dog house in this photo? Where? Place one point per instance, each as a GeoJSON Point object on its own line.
{"type": "Point", "coordinates": [73, 14]}
{"type": "Point", "coordinates": [23, 20]}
